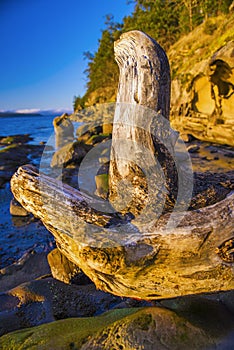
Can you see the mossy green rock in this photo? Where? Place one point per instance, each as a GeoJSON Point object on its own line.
{"type": "Point", "coordinates": [150, 328]}
{"type": "Point", "coordinates": [65, 334]}
{"type": "Point", "coordinates": [17, 139]}
{"type": "Point", "coordinates": [131, 329]}
{"type": "Point", "coordinates": [93, 140]}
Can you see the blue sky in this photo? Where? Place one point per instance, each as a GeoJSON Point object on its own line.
{"type": "Point", "coordinates": [42, 45]}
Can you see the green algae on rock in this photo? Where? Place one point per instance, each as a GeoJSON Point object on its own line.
{"type": "Point", "coordinates": [63, 334]}
{"type": "Point", "coordinates": [131, 329]}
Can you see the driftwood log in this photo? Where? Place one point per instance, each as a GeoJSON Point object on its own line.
{"type": "Point", "coordinates": [141, 131]}
{"type": "Point", "coordinates": [116, 250]}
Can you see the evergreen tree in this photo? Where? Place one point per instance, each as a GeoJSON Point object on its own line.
{"type": "Point", "coordinates": [158, 19]}
{"type": "Point", "coordinates": [164, 20]}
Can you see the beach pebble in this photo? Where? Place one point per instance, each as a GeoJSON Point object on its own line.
{"type": "Point", "coordinates": [193, 149]}
{"type": "Point", "coordinates": [16, 209]}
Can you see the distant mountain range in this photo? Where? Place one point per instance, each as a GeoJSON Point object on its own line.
{"type": "Point", "coordinates": [35, 112]}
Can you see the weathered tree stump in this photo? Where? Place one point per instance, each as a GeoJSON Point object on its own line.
{"type": "Point", "coordinates": [155, 260]}
{"type": "Point", "coordinates": [141, 132]}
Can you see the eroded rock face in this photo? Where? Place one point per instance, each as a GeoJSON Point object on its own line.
{"type": "Point", "coordinates": [206, 109]}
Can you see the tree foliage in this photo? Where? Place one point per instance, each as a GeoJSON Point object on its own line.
{"type": "Point", "coordinates": [164, 20]}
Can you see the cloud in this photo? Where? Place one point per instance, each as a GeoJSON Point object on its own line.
{"type": "Point", "coordinates": [27, 110]}
{"type": "Point", "coordinates": [38, 111]}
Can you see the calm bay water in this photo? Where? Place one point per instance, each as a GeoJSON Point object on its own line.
{"type": "Point", "coordinates": [18, 235]}
{"type": "Point", "coordinates": [39, 127]}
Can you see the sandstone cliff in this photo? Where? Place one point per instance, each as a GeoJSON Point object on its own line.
{"type": "Point", "coordinates": [202, 98]}
{"type": "Point", "coordinates": [202, 101]}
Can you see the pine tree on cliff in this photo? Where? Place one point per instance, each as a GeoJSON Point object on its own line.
{"type": "Point", "coordinates": [164, 20]}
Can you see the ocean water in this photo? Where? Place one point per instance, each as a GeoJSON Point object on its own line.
{"type": "Point", "coordinates": [19, 235]}
{"type": "Point", "coordinates": [39, 127]}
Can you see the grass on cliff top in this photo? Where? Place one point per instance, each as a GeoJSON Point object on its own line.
{"type": "Point", "coordinates": [200, 44]}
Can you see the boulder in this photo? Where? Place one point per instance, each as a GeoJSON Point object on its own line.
{"type": "Point", "coordinates": [91, 130]}
{"type": "Point", "coordinates": [29, 267]}
{"type": "Point", "coordinates": [46, 299]}
{"type": "Point", "coordinates": [64, 130]}
{"type": "Point", "coordinates": [72, 152]}
{"type": "Point", "coordinates": [158, 328]}
{"type": "Point", "coordinates": [61, 268]}
{"type": "Point", "coordinates": [95, 139]}
{"type": "Point", "coordinates": [84, 131]}
{"type": "Point", "coordinates": [102, 186]}
{"type": "Point", "coordinates": [137, 328]}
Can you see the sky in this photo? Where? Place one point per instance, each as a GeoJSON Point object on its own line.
{"type": "Point", "coordinates": [42, 45]}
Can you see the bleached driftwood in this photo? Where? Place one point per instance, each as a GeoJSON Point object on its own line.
{"type": "Point", "coordinates": [143, 104]}
{"type": "Point", "coordinates": [151, 262]}
{"type": "Point", "coordinates": [195, 257]}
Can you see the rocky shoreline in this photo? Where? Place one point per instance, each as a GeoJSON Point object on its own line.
{"type": "Point", "coordinates": [41, 289]}
{"type": "Point", "coordinates": [19, 232]}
